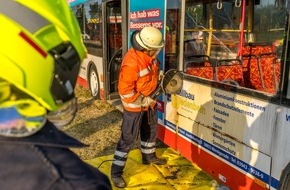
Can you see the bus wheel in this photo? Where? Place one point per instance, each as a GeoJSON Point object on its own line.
{"type": "Point", "coordinates": [94, 82]}
{"type": "Point", "coordinates": [285, 178]}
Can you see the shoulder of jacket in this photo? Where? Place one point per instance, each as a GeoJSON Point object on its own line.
{"type": "Point", "coordinates": [130, 59]}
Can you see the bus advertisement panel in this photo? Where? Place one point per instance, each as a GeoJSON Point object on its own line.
{"type": "Point", "coordinates": [223, 127]}
{"type": "Point", "coordinates": [150, 13]}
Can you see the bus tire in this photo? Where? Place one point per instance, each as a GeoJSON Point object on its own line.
{"type": "Point", "coordinates": [94, 83]}
{"type": "Point", "coordinates": [285, 178]}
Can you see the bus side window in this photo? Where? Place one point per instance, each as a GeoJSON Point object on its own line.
{"type": "Point", "coordinates": [261, 68]}
{"type": "Point", "coordinates": [229, 71]}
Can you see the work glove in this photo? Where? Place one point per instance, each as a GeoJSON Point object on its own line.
{"type": "Point", "coordinates": [138, 101]}
{"type": "Point", "coordinates": [161, 75]}
{"type": "Point", "coordinates": [147, 101]}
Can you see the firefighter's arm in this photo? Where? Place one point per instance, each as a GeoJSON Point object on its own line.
{"type": "Point", "coordinates": [127, 80]}
{"type": "Point", "coordinates": [126, 87]}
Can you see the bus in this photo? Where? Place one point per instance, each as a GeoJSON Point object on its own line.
{"type": "Point", "coordinates": [232, 116]}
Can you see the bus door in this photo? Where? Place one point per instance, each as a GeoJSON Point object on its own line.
{"type": "Point", "coordinates": [112, 48]}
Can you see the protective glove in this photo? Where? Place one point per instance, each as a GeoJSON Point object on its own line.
{"type": "Point", "coordinates": [138, 101]}
{"type": "Point", "coordinates": [161, 75]}
{"type": "Point", "coordinates": [147, 101]}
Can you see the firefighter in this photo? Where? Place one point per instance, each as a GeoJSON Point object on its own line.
{"type": "Point", "coordinates": [138, 79]}
{"type": "Point", "coordinates": [40, 54]}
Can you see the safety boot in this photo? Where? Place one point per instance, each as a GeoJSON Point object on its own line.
{"type": "Point", "coordinates": [152, 158]}
{"type": "Point", "coordinates": [119, 181]}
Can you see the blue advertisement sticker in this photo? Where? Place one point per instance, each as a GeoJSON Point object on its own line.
{"type": "Point", "coordinates": [150, 13]}
{"type": "Point", "coordinates": [75, 2]}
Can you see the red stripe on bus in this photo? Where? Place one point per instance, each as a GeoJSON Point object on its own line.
{"type": "Point", "coordinates": [217, 168]}
{"type": "Point", "coordinates": [167, 136]}
{"type": "Point", "coordinates": [210, 164]}
{"type": "Point", "coordinates": [82, 82]}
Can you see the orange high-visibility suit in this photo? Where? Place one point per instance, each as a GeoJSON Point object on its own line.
{"type": "Point", "coordinates": [138, 76]}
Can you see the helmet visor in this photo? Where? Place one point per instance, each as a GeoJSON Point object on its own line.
{"type": "Point", "coordinates": [21, 118]}
{"type": "Point", "coordinates": [20, 115]}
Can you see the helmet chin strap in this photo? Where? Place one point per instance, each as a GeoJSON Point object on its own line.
{"type": "Point", "coordinates": [64, 115]}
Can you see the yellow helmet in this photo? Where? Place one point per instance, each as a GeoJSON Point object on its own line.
{"type": "Point", "coordinates": [41, 50]}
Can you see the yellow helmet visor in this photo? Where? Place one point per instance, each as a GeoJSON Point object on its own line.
{"type": "Point", "coordinates": [21, 118]}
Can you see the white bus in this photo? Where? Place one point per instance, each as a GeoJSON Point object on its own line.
{"type": "Point", "coordinates": [232, 117]}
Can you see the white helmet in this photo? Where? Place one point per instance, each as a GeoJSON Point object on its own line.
{"type": "Point", "coordinates": [148, 38]}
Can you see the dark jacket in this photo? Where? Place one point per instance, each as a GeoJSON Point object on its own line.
{"type": "Point", "coordinates": [44, 161]}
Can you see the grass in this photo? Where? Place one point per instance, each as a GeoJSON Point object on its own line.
{"type": "Point", "coordinates": [97, 124]}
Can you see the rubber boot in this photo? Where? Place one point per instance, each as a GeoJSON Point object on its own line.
{"type": "Point", "coordinates": [116, 176]}
{"type": "Point", "coordinates": [119, 181]}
